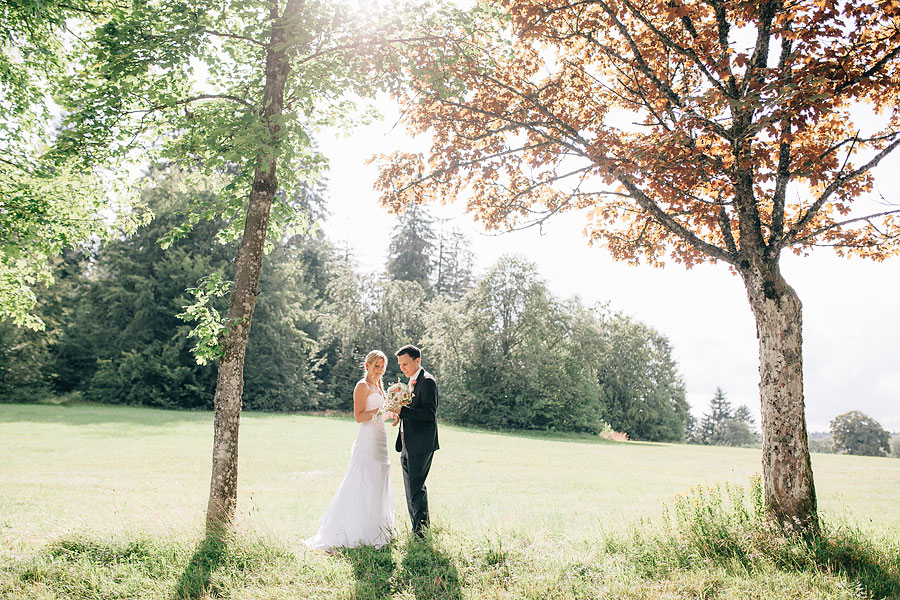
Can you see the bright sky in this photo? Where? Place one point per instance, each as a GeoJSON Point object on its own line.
{"type": "Point", "coordinates": [851, 307]}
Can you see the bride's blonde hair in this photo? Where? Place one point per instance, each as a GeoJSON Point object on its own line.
{"type": "Point", "coordinates": [371, 357]}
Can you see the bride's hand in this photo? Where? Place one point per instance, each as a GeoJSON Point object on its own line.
{"type": "Point", "coordinates": [396, 417]}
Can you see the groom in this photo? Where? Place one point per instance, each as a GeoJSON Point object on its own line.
{"type": "Point", "coordinates": [418, 438]}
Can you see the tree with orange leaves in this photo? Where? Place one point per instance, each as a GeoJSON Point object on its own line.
{"type": "Point", "coordinates": [687, 131]}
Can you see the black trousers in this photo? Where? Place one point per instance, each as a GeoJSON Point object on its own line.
{"type": "Point", "coordinates": [415, 470]}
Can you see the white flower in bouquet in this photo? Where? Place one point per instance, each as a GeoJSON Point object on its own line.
{"type": "Point", "coordinates": [398, 395]}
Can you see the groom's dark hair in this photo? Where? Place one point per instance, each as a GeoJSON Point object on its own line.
{"type": "Point", "coordinates": [409, 349]}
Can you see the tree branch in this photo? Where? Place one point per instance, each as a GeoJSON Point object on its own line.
{"type": "Point", "coordinates": [81, 9]}
{"type": "Point", "coordinates": [727, 233]}
{"type": "Point", "coordinates": [870, 71]}
{"type": "Point", "coordinates": [791, 236]}
{"type": "Point", "coordinates": [532, 100]}
{"type": "Point", "coordinates": [671, 224]}
{"type": "Point", "coordinates": [783, 176]}
{"type": "Point", "coordinates": [761, 48]}
{"type": "Point", "coordinates": [821, 230]}
{"type": "Point", "coordinates": [236, 99]}
{"type": "Point", "coordinates": [687, 52]}
{"type": "Point", "coordinates": [438, 172]}
{"type": "Point", "coordinates": [364, 44]}
{"type": "Point", "coordinates": [663, 88]}
{"type": "Point", "coordinates": [235, 37]}
{"type": "Point", "coordinates": [853, 140]}
{"type": "Point", "coordinates": [510, 120]}
{"type": "Point", "coordinates": [12, 164]}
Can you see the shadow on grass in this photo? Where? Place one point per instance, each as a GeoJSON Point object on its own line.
{"type": "Point", "coordinates": [80, 567]}
{"type": "Point", "coordinates": [428, 571]}
{"type": "Point", "coordinates": [850, 553]}
{"type": "Point", "coordinates": [197, 579]}
{"type": "Point", "coordinates": [373, 570]}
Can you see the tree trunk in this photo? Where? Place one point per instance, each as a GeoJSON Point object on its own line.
{"type": "Point", "coordinates": [230, 382]}
{"type": "Point", "coordinates": [790, 495]}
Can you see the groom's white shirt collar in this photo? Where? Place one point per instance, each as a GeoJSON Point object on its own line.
{"type": "Point", "coordinates": [416, 376]}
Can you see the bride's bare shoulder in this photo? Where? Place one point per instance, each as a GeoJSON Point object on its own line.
{"type": "Point", "coordinates": [362, 386]}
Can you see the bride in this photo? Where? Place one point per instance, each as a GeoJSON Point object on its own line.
{"type": "Point", "coordinates": [362, 510]}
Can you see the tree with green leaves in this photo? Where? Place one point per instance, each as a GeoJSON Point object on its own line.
{"type": "Point", "coordinates": [233, 89]}
{"type": "Point", "coordinates": [742, 413]}
{"type": "Point", "coordinates": [431, 252]}
{"type": "Point", "coordinates": [122, 341]}
{"type": "Point", "coordinates": [821, 442]}
{"type": "Point", "coordinates": [642, 392]}
{"type": "Point", "coordinates": [856, 433]}
{"type": "Point", "coordinates": [511, 356]}
{"type": "Point", "coordinates": [395, 317]}
{"type": "Point", "coordinates": [28, 358]}
{"type": "Point", "coordinates": [47, 204]}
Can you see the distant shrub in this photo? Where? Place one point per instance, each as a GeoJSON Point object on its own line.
{"type": "Point", "coordinates": [822, 444]}
{"type": "Point", "coordinates": [856, 433]}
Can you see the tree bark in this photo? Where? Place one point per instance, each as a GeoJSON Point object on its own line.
{"type": "Point", "coordinates": [248, 265]}
{"type": "Point", "coordinates": [790, 495]}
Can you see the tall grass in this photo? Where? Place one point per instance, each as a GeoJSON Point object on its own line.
{"type": "Point", "coordinates": [725, 528]}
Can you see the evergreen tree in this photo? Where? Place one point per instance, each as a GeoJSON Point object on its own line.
{"type": "Point", "coordinates": [690, 428]}
{"type": "Point", "coordinates": [395, 318]}
{"type": "Point", "coordinates": [282, 350]}
{"type": "Point", "coordinates": [743, 414]}
{"type": "Point", "coordinates": [342, 339]}
{"type": "Point", "coordinates": [735, 432]}
{"type": "Point", "coordinates": [412, 247]}
{"type": "Point", "coordinates": [706, 432]}
{"type": "Point", "coordinates": [722, 426]}
{"type": "Point", "coordinates": [453, 262]}
{"type": "Point", "coordinates": [719, 407]}
{"type": "Point", "coordinates": [125, 343]}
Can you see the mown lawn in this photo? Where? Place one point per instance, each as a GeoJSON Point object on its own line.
{"type": "Point", "coordinates": [90, 495]}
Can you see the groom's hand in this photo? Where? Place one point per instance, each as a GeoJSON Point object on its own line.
{"type": "Point", "coordinates": [396, 419]}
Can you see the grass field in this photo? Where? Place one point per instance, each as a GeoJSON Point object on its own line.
{"type": "Point", "coordinates": [514, 515]}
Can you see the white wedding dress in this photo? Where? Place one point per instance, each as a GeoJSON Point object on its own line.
{"type": "Point", "coordinates": [362, 511]}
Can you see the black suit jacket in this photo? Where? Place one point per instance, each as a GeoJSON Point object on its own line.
{"type": "Point", "coordinates": [419, 418]}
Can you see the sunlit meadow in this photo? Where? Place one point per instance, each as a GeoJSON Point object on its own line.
{"type": "Point", "coordinates": [87, 491]}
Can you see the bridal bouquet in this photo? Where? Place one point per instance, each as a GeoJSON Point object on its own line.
{"type": "Point", "coordinates": [398, 395]}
